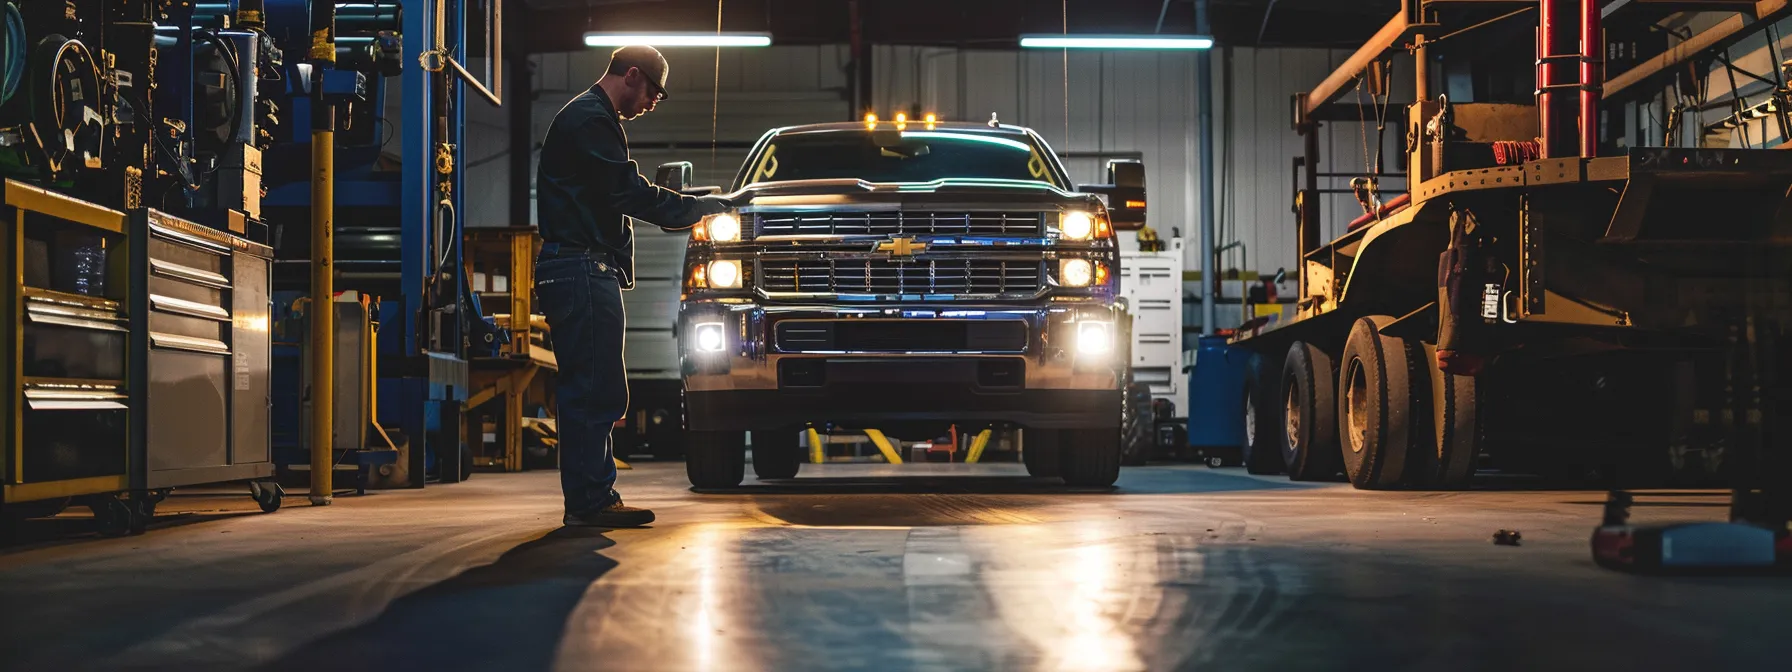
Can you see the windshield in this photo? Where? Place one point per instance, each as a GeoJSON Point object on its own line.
{"type": "Point", "coordinates": [900, 156]}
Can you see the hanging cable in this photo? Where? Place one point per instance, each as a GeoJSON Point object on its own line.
{"type": "Point", "coordinates": [1064, 7]}
{"type": "Point", "coordinates": [715, 94]}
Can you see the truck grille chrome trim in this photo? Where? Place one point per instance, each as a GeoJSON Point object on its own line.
{"type": "Point", "coordinates": [896, 223]}
{"type": "Point", "coordinates": [935, 277]}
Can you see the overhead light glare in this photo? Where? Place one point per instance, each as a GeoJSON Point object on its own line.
{"type": "Point", "coordinates": [658, 40]}
{"type": "Point", "coordinates": [1059, 41]}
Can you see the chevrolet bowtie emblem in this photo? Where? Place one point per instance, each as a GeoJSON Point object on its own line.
{"type": "Point", "coordinates": [902, 247]}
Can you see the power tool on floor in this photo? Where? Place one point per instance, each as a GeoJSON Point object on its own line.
{"type": "Point", "coordinates": [1741, 544]}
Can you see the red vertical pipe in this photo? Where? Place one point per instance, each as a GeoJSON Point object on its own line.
{"type": "Point", "coordinates": [1558, 43]}
{"type": "Point", "coordinates": [1592, 75]}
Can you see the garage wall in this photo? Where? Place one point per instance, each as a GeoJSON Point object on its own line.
{"type": "Point", "coordinates": [1122, 103]}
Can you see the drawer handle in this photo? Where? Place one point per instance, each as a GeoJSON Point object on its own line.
{"type": "Point", "coordinates": [188, 343]}
{"type": "Point", "coordinates": [189, 239]}
{"type": "Point", "coordinates": [73, 405]}
{"type": "Point", "coordinates": [169, 269]}
{"type": "Point", "coordinates": [170, 304]}
{"type": "Point", "coordinates": [76, 322]}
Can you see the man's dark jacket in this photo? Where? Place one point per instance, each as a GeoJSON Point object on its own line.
{"type": "Point", "coordinates": [586, 187]}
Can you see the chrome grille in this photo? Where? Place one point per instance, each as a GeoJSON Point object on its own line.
{"type": "Point", "coordinates": [899, 223]}
{"type": "Point", "coordinates": [879, 276]}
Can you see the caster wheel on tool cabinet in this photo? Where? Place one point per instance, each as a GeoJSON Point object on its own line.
{"type": "Point", "coordinates": [1089, 457]}
{"type": "Point", "coordinates": [1380, 419]}
{"type": "Point", "coordinates": [114, 516]}
{"type": "Point", "coordinates": [716, 459]}
{"type": "Point", "coordinates": [268, 494]}
{"type": "Point", "coordinates": [1308, 433]}
{"type": "Point", "coordinates": [1039, 450]}
{"type": "Point", "coordinates": [1260, 452]}
{"type": "Point", "coordinates": [776, 454]}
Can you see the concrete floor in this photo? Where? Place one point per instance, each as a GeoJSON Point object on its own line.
{"type": "Point", "coordinates": [878, 568]}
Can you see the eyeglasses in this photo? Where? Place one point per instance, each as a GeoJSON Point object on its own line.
{"type": "Point", "coordinates": [659, 92]}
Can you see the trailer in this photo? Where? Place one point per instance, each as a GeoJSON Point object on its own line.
{"type": "Point", "coordinates": [1560, 289]}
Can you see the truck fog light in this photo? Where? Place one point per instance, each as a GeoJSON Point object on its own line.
{"type": "Point", "coordinates": [710, 338]}
{"type": "Point", "coordinates": [724, 274]}
{"type": "Point", "coordinates": [1094, 338]}
{"type": "Point", "coordinates": [1075, 272]}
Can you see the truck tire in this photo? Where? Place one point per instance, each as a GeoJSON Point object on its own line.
{"type": "Point", "coordinates": [1138, 426]}
{"type": "Point", "coordinates": [1379, 419]}
{"type": "Point", "coordinates": [1308, 433]}
{"type": "Point", "coordinates": [716, 459]}
{"type": "Point", "coordinates": [1260, 451]}
{"type": "Point", "coordinates": [776, 454]}
{"type": "Point", "coordinates": [1089, 458]}
{"type": "Point", "coordinates": [1456, 424]}
{"type": "Point", "coordinates": [1039, 450]}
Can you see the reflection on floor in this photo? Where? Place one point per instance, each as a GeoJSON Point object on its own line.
{"type": "Point", "coordinates": [921, 566]}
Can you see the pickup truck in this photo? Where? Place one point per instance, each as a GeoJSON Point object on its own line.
{"type": "Point", "coordinates": [906, 276]}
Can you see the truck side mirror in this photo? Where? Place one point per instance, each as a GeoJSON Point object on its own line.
{"type": "Point", "coordinates": [1125, 193]}
{"type": "Point", "coordinates": [674, 176]}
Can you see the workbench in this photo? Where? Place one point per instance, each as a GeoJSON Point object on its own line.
{"type": "Point", "coordinates": [501, 262]}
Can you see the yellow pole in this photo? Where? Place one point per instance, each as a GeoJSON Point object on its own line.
{"type": "Point", "coordinates": [323, 304]}
{"type": "Point", "coordinates": [818, 453]}
{"type": "Point", "coordinates": [883, 446]}
{"type": "Point", "coordinates": [977, 446]}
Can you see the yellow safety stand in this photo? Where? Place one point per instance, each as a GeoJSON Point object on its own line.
{"type": "Point", "coordinates": [818, 451]}
{"type": "Point", "coordinates": [883, 446]}
{"type": "Point", "coordinates": [977, 446]}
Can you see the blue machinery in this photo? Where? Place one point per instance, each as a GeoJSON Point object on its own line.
{"type": "Point", "coordinates": [396, 233]}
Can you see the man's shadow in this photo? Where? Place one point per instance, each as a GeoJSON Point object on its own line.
{"type": "Point", "coordinates": [508, 615]}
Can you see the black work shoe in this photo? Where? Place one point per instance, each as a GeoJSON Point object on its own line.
{"type": "Point", "coordinates": [614, 515]}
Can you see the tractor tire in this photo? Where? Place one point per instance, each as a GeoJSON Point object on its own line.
{"type": "Point", "coordinates": [1456, 429]}
{"type": "Point", "coordinates": [1138, 426]}
{"type": "Point", "coordinates": [1381, 419]}
{"type": "Point", "coordinates": [1260, 451]}
{"type": "Point", "coordinates": [1308, 433]}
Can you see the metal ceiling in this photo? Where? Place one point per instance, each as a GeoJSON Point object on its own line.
{"type": "Point", "coordinates": [559, 25]}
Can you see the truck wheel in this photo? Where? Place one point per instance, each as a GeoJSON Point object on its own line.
{"type": "Point", "coordinates": [776, 454]}
{"type": "Point", "coordinates": [1138, 426]}
{"type": "Point", "coordinates": [1456, 423]}
{"type": "Point", "coordinates": [1039, 450]}
{"type": "Point", "coordinates": [1378, 418]}
{"type": "Point", "coordinates": [1089, 457]}
{"type": "Point", "coordinates": [1261, 453]}
{"type": "Point", "coordinates": [716, 459]}
{"type": "Point", "coordinates": [1309, 428]}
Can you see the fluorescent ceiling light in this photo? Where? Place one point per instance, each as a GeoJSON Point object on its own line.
{"type": "Point", "coordinates": [1059, 41]}
{"type": "Point", "coordinates": [678, 39]}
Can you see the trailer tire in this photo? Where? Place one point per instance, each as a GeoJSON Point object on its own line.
{"type": "Point", "coordinates": [1089, 458]}
{"type": "Point", "coordinates": [716, 459]}
{"type": "Point", "coordinates": [1379, 417]}
{"type": "Point", "coordinates": [1039, 450]}
{"type": "Point", "coordinates": [776, 454]}
{"type": "Point", "coordinates": [1456, 423]}
{"type": "Point", "coordinates": [1308, 433]}
{"type": "Point", "coordinates": [1261, 452]}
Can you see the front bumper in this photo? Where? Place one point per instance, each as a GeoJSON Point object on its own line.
{"type": "Point", "coordinates": [757, 381]}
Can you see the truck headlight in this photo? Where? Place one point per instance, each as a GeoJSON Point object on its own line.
{"type": "Point", "coordinates": [1083, 226]}
{"type": "Point", "coordinates": [1075, 272]}
{"type": "Point", "coordinates": [1094, 338]}
{"type": "Point", "coordinates": [724, 274]}
{"type": "Point", "coordinates": [722, 228]}
{"type": "Point", "coordinates": [710, 337]}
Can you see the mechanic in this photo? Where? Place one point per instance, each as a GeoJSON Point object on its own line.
{"type": "Point", "coordinates": [587, 190]}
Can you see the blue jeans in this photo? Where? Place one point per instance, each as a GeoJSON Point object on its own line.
{"type": "Point", "coordinates": [582, 299]}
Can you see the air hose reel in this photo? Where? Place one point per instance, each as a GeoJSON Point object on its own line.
{"type": "Point", "coordinates": [64, 86]}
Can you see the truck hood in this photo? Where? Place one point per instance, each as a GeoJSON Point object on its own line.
{"type": "Point", "coordinates": [938, 193]}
